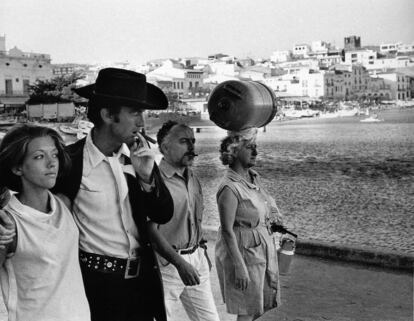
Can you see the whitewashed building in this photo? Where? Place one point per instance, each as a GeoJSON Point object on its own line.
{"type": "Point", "coordinates": [364, 57]}
{"type": "Point", "coordinates": [306, 83]}
{"type": "Point", "coordinates": [173, 77]}
{"type": "Point", "coordinates": [280, 56]}
{"type": "Point", "coordinates": [399, 84]}
{"type": "Point", "coordinates": [19, 70]}
{"type": "Point", "coordinates": [391, 63]}
{"type": "Point", "coordinates": [301, 50]}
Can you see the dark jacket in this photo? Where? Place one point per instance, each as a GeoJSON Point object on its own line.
{"type": "Point", "coordinates": [156, 205]}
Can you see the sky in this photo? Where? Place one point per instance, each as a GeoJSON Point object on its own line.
{"type": "Point", "coordinates": [99, 31]}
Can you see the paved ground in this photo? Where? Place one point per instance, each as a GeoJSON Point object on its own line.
{"type": "Point", "coordinates": [320, 290]}
{"type": "Point", "coordinates": [324, 290]}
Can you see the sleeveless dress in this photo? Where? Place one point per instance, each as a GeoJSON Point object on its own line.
{"type": "Point", "coordinates": [42, 280]}
{"type": "Point", "coordinates": [257, 247]}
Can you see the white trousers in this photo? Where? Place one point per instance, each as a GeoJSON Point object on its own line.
{"type": "Point", "coordinates": [197, 300]}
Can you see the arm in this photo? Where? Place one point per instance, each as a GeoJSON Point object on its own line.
{"type": "Point", "coordinates": [8, 237]}
{"type": "Point", "coordinates": [158, 200]}
{"type": "Point", "coordinates": [189, 275]}
{"type": "Point", "coordinates": [7, 229]}
{"type": "Point", "coordinates": [227, 205]}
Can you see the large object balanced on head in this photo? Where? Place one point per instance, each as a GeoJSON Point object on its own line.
{"type": "Point", "coordinates": [236, 105]}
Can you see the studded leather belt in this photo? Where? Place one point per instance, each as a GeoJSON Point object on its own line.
{"type": "Point", "coordinates": [127, 268]}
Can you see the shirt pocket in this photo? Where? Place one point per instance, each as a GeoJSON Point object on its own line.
{"type": "Point", "coordinates": [91, 197]}
{"type": "Point", "coordinates": [252, 247]}
{"type": "Point", "coordinates": [88, 186]}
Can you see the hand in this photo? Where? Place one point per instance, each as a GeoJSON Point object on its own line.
{"type": "Point", "coordinates": [188, 274]}
{"type": "Point", "coordinates": [4, 197]}
{"type": "Point", "coordinates": [142, 159]}
{"type": "Point", "coordinates": [242, 278]}
{"type": "Point", "coordinates": [7, 229]}
{"type": "Point", "coordinates": [279, 219]}
{"type": "Point", "coordinates": [277, 216]}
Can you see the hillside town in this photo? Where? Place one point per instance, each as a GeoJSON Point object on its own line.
{"type": "Point", "coordinates": [310, 79]}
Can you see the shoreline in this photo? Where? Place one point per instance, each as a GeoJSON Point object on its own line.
{"type": "Point", "coordinates": [349, 186]}
{"type": "Point", "coordinates": [342, 192]}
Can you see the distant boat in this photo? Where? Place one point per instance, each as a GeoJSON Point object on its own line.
{"type": "Point", "coordinates": [347, 112]}
{"type": "Point", "coordinates": [371, 119]}
{"type": "Point", "coordinates": [300, 113]}
{"type": "Point", "coordinates": [79, 129]}
{"type": "Point", "coordinates": [328, 115]}
{"type": "Point", "coordinates": [406, 103]}
{"type": "Point", "coordinates": [340, 113]}
{"type": "Point", "coordinates": [7, 122]}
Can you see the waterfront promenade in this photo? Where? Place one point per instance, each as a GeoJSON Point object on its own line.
{"type": "Point", "coordinates": [345, 188]}
{"type": "Point", "coordinates": [319, 289]}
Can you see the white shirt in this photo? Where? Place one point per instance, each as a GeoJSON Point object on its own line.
{"type": "Point", "coordinates": [101, 208]}
{"type": "Point", "coordinates": [42, 280]}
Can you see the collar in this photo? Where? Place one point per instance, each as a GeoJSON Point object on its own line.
{"type": "Point", "coordinates": [94, 156]}
{"type": "Point", "coordinates": [19, 207]}
{"type": "Point", "coordinates": [234, 176]}
{"type": "Point", "coordinates": [168, 170]}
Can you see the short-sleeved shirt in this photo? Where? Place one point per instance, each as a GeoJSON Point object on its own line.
{"type": "Point", "coordinates": [184, 229]}
{"type": "Point", "coordinates": [43, 280]}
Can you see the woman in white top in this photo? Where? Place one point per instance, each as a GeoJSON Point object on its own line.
{"type": "Point", "coordinates": [40, 275]}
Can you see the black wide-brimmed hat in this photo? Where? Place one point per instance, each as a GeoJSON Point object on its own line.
{"type": "Point", "coordinates": [115, 86]}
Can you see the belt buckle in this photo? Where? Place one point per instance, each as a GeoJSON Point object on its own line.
{"type": "Point", "coordinates": [132, 266]}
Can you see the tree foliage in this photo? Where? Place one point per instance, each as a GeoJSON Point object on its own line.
{"type": "Point", "coordinates": [55, 90]}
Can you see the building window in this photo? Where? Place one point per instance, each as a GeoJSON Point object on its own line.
{"type": "Point", "coordinates": [9, 87]}
{"type": "Point", "coordinates": [26, 84]}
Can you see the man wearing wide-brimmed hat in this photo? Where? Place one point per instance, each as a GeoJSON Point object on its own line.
{"type": "Point", "coordinates": [115, 188]}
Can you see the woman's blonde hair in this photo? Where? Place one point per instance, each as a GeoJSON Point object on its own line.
{"type": "Point", "coordinates": [231, 144]}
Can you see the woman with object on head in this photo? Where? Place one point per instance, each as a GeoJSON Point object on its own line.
{"type": "Point", "coordinates": [40, 274]}
{"type": "Point", "coordinates": [246, 257]}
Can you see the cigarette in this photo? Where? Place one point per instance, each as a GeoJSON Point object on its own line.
{"type": "Point", "coordinates": [148, 138]}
